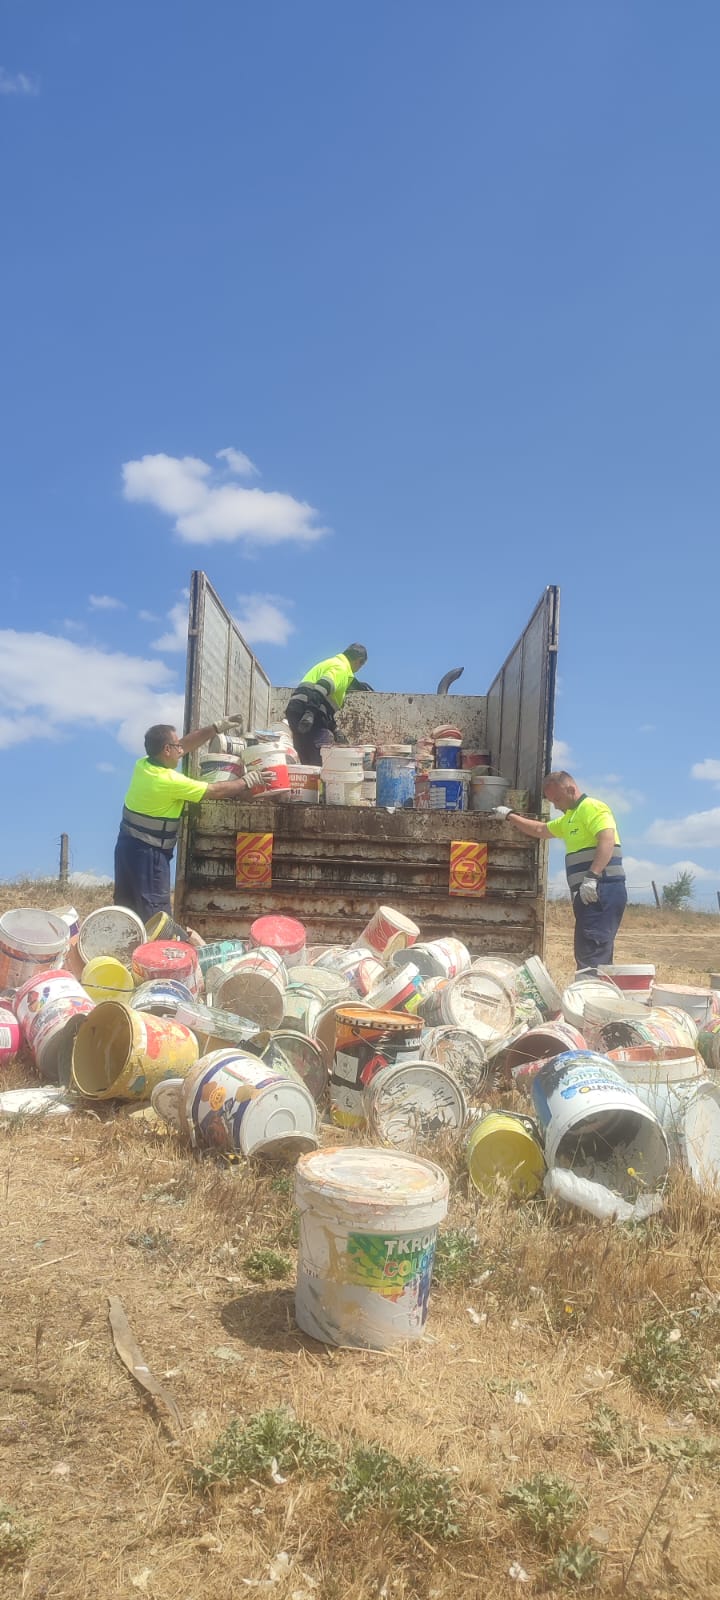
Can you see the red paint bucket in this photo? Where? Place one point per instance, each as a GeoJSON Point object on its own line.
{"type": "Point", "coordinates": [283, 934]}
{"type": "Point", "coordinates": [274, 773]}
{"type": "Point", "coordinates": [167, 958]}
{"type": "Point", "coordinates": [9, 1034]}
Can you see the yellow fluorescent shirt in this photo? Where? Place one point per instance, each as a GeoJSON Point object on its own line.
{"type": "Point", "coordinates": [161, 791]}
{"type": "Point", "coordinates": [580, 826]}
{"type": "Point", "coordinates": [340, 673]}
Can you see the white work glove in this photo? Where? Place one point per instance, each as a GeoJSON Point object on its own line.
{"type": "Point", "coordinates": [229, 724]}
{"type": "Point", "coordinates": [588, 891]}
{"type": "Point", "coordinates": [254, 779]}
{"type": "Point", "coordinates": [501, 811]}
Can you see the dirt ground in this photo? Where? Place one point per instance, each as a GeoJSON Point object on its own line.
{"type": "Point", "coordinates": [522, 1371]}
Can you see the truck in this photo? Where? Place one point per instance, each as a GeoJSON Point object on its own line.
{"type": "Point", "coordinates": [331, 866]}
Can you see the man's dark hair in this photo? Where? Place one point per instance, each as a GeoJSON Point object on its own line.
{"type": "Point", "coordinates": [356, 652]}
{"type": "Point", "coordinates": [157, 737]}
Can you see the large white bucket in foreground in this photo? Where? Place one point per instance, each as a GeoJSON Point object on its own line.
{"type": "Point", "coordinates": [368, 1227]}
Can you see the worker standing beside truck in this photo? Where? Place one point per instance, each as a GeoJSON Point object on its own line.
{"type": "Point", "coordinates": [311, 709]}
{"type": "Point", "coordinates": [154, 804]}
{"type": "Point", "coordinates": [593, 864]}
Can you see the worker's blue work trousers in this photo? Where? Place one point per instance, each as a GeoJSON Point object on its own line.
{"type": "Point", "coordinates": [596, 925]}
{"type": "Point", "coordinates": [142, 877]}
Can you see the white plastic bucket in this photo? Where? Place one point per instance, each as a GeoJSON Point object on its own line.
{"type": "Point", "coordinates": [399, 992]}
{"type": "Point", "coordinates": [487, 791]}
{"type": "Point", "coordinates": [534, 982]}
{"type": "Point", "coordinates": [665, 1081]}
{"type": "Point", "coordinates": [594, 1123]}
{"type": "Point", "coordinates": [233, 1101]}
{"type": "Point", "coordinates": [221, 768]}
{"type": "Point", "coordinates": [111, 931]}
{"type": "Point", "coordinates": [413, 1100]}
{"type": "Point", "coordinates": [584, 991]}
{"type": "Point", "coordinates": [435, 958]}
{"type": "Point", "coordinates": [31, 941]}
{"type": "Point", "coordinates": [636, 982]}
{"type": "Point", "coordinates": [368, 1228]}
{"type": "Point", "coordinates": [699, 1003]}
{"type": "Point", "coordinates": [497, 967]}
{"type": "Point", "coordinates": [44, 1007]}
{"type": "Point", "coordinates": [701, 1136]}
{"type": "Point", "coordinates": [342, 760]}
{"type": "Point", "coordinates": [344, 791]}
{"type": "Point", "coordinates": [387, 931]}
{"type": "Point", "coordinates": [304, 785]}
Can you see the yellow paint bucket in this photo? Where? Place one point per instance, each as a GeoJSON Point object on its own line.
{"type": "Point", "coordinates": [105, 978]}
{"type": "Point", "coordinates": [505, 1148]}
{"type": "Point", "coordinates": [124, 1053]}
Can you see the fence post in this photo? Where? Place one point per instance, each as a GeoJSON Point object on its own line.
{"type": "Point", "coordinates": [657, 897]}
{"type": "Point", "coordinates": [64, 857]}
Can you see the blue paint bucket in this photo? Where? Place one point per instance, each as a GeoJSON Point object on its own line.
{"type": "Point", "coordinates": [395, 781]}
{"type": "Point", "coordinates": [448, 753]}
{"type": "Point", "coordinates": [448, 789]}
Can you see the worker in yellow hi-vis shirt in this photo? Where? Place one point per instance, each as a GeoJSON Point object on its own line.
{"type": "Point", "coordinates": [593, 864]}
{"type": "Point", "coordinates": [311, 709]}
{"type": "Point", "coordinates": [153, 807]}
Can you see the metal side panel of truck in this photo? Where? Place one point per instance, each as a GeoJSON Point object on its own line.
{"type": "Point", "coordinates": [331, 866]}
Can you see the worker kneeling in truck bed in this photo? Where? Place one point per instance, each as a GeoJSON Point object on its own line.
{"type": "Point", "coordinates": [153, 807]}
{"type": "Point", "coordinates": [311, 709]}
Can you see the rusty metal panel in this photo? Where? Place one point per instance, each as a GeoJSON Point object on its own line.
{"type": "Point", "coordinates": [520, 701]}
{"type": "Point", "coordinates": [399, 718]}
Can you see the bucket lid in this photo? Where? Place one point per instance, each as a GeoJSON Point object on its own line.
{"type": "Point", "coordinates": [701, 1135]}
{"type": "Point", "coordinates": [480, 1002]}
{"type": "Point", "coordinates": [418, 1098]}
{"type": "Point", "coordinates": [166, 1100]}
{"type": "Point", "coordinates": [360, 1017]}
{"type": "Point", "coordinates": [373, 1179]}
{"type": "Point", "coordinates": [110, 931]}
{"type": "Point", "coordinates": [280, 933]}
{"type": "Point", "coordinates": [276, 1111]}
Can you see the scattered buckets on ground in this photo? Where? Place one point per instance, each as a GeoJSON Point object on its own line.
{"type": "Point", "coordinates": [504, 1150]}
{"type": "Point", "coordinates": [166, 958]}
{"type": "Point", "coordinates": [368, 1228]}
{"type": "Point", "coordinates": [105, 978]}
{"type": "Point", "coordinates": [233, 1101]}
{"type": "Point", "coordinates": [111, 931]}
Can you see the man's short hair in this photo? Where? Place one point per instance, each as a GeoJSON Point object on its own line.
{"type": "Point", "coordinates": [558, 777]}
{"type": "Point", "coordinates": [157, 737]}
{"type": "Point", "coordinates": [356, 652]}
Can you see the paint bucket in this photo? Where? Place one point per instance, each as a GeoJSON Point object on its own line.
{"type": "Point", "coordinates": [413, 1100]}
{"type": "Point", "coordinates": [435, 958]}
{"type": "Point", "coordinates": [369, 789]}
{"type": "Point", "coordinates": [342, 760]}
{"type": "Point", "coordinates": [636, 982]}
{"type": "Point", "coordinates": [504, 1150]}
{"type": "Point", "coordinates": [366, 1041]}
{"type": "Point", "coordinates": [111, 931]}
{"type": "Point", "coordinates": [533, 980]}
{"type": "Point", "coordinates": [221, 768]}
{"type": "Point", "coordinates": [543, 1043]}
{"type": "Point", "coordinates": [304, 784]}
{"type": "Point", "coordinates": [395, 786]}
{"type": "Point", "coordinates": [161, 998]}
{"type": "Point", "coordinates": [120, 1054]}
{"type": "Point", "coordinates": [255, 987]}
{"type": "Point", "coordinates": [497, 967]}
{"type": "Point", "coordinates": [44, 1007]}
{"type": "Point", "coordinates": [448, 754]}
{"type": "Point", "coordinates": [448, 789]}
{"type": "Point", "coordinates": [303, 1006]}
{"type": "Point", "coordinates": [343, 961]}
{"type": "Point", "coordinates": [476, 760]}
{"type": "Point", "coordinates": [681, 1025]}
{"type": "Point", "coordinates": [368, 975]}
{"type": "Point", "coordinates": [232, 1101]}
{"type": "Point", "coordinates": [402, 991]}
{"type": "Point", "coordinates": [595, 1124]}
{"type": "Point", "coordinates": [262, 748]}
{"type": "Point", "coordinates": [9, 1035]}
{"type": "Point", "coordinates": [368, 1228]}
{"type": "Point", "coordinates": [162, 926]}
{"type": "Point", "coordinates": [487, 791]}
{"type": "Point", "coordinates": [283, 934]}
{"type": "Point", "coordinates": [30, 941]}
{"type": "Point", "coordinates": [461, 1053]}
{"type": "Point", "coordinates": [665, 1080]}
{"type": "Point", "coordinates": [590, 989]}
{"type": "Point", "coordinates": [698, 1003]}
{"type": "Point", "coordinates": [165, 958]}
{"type": "Point", "coordinates": [387, 931]}
{"type": "Point", "coordinates": [708, 1043]}
{"type": "Point", "coordinates": [667, 1027]}
{"type": "Point", "coordinates": [701, 1136]}
{"type": "Point", "coordinates": [215, 1030]}
{"type": "Point", "coordinates": [227, 744]}
{"type": "Point", "coordinates": [210, 955]}
{"type": "Point", "coordinates": [70, 917]}
{"type": "Point", "coordinates": [343, 791]}
{"type": "Point", "coordinates": [104, 978]}
{"type": "Point", "coordinates": [477, 1001]}
{"type": "Point", "coordinates": [289, 1048]}
{"type": "Point", "coordinates": [609, 1008]}
{"type": "Point", "coordinates": [275, 773]}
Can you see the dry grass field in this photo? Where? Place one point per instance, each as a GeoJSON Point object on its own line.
{"type": "Point", "coordinates": [557, 1431]}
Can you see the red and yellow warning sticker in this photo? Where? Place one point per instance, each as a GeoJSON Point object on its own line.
{"type": "Point", "coordinates": [468, 867]}
{"type": "Point", "coordinates": [253, 860]}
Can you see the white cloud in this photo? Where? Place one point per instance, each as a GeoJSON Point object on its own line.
{"type": "Point", "coordinates": [176, 636]}
{"type": "Point", "coordinates": [208, 511]}
{"type": "Point", "coordinates": [620, 799]}
{"type": "Point", "coordinates": [105, 766]}
{"type": "Point", "coordinates": [698, 831]}
{"type": "Point", "coordinates": [561, 754]}
{"type": "Point", "coordinates": [641, 875]}
{"type": "Point", "coordinates": [17, 83]}
{"type": "Point", "coordinates": [105, 602]}
{"type": "Point", "coordinates": [707, 770]}
{"type": "Point", "coordinates": [49, 684]}
{"type": "Point", "coordinates": [238, 463]}
{"type": "Point", "coordinates": [261, 620]}
{"type": "Point", "coordinates": [88, 880]}
{"type": "Point", "coordinates": [149, 616]}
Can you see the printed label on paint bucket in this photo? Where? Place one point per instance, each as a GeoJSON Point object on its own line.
{"type": "Point", "coordinates": [391, 1266]}
{"type": "Point", "coordinates": [6, 1039]}
{"type": "Point", "coordinates": [347, 1067]}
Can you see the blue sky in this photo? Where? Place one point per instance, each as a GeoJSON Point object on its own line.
{"type": "Point", "coordinates": [443, 280]}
